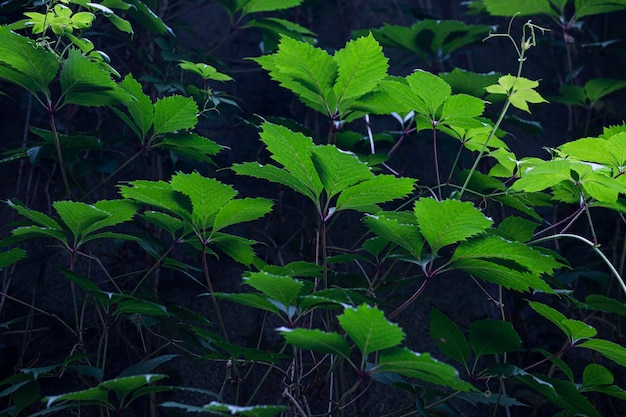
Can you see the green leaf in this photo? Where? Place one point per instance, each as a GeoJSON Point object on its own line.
{"type": "Point", "coordinates": [236, 247]}
{"type": "Point", "coordinates": [96, 394]}
{"type": "Point", "coordinates": [369, 330]}
{"type": "Point", "coordinates": [378, 190]}
{"type": "Point", "coordinates": [120, 211]}
{"type": "Point", "coordinates": [421, 366]}
{"type": "Point", "coordinates": [79, 217]}
{"type": "Point", "coordinates": [282, 289]}
{"type": "Point", "coordinates": [470, 83]}
{"type": "Point", "coordinates": [206, 71]}
{"type": "Point", "coordinates": [158, 194]}
{"type": "Point", "coordinates": [609, 151]}
{"type": "Point", "coordinates": [207, 196]}
{"type": "Point", "coordinates": [593, 7]}
{"type": "Point", "coordinates": [361, 65]}
{"type": "Point", "coordinates": [520, 91]}
{"type": "Point", "coordinates": [562, 393]}
{"type": "Point", "coordinates": [399, 228]}
{"type": "Point", "coordinates": [512, 8]}
{"type": "Point", "coordinates": [307, 71]}
{"type": "Point", "coordinates": [39, 218]}
{"type": "Point", "coordinates": [11, 256]}
{"type": "Point", "coordinates": [241, 210]}
{"type": "Point", "coordinates": [25, 64]}
{"type": "Point", "coordinates": [174, 113]}
{"type": "Point", "coordinates": [146, 366]}
{"type": "Point", "coordinates": [85, 83]}
{"type": "Point", "coordinates": [598, 88]}
{"type": "Point", "coordinates": [256, 6]}
{"type": "Point", "coordinates": [596, 374]}
{"type": "Point", "coordinates": [140, 107]}
{"type": "Point", "coordinates": [338, 169]}
{"type": "Point", "coordinates": [488, 337]}
{"type": "Point", "coordinates": [227, 410]}
{"type": "Point", "coordinates": [461, 110]}
{"type": "Point", "coordinates": [124, 386]}
{"type": "Point", "coordinates": [449, 221]}
{"type": "Point", "coordinates": [574, 329]}
{"type": "Point", "coordinates": [608, 349]}
{"type": "Point", "coordinates": [431, 90]}
{"type": "Point", "coordinates": [606, 304]}
{"type": "Point", "coordinates": [317, 340]}
{"type": "Point", "coordinates": [544, 175]}
{"type": "Point", "coordinates": [251, 300]}
{"type": "Point", "coordinates": [448, 337]}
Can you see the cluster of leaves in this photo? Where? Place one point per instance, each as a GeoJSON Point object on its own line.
{"type": "Point", "coordinates": [334, 331]}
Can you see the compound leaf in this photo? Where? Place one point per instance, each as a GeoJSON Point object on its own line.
{"type": "Point", "coordinates": [369, 330]}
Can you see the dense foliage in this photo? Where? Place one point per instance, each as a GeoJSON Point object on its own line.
{"type": "Point", "coordinates": [379, 207]}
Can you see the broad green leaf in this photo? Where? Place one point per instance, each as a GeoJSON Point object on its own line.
{"type": "Point", "coordinates": [519, 90]}
{"type": "Point", "coordinates": [39, 218]}
{"type": "Point", "coordinates": [470, 83]}
{"type": "Point", "coordinates": [399, 91]}
{"type": "Point", "coordinates": [241, 210]}
{"type": "Point", "coordinates": [421, 366]}
{"type": "Point", "coordinates": [512, 8]}
{"type": "Point", "coordinates": [461, 110]}
{"type": "Point", "coordinates": [190, 145]}
{"type": "Point", "coordinates": [609, 151]}
{"type": "Point", "coordinates": [598, 88]}
{"type": "Point", "coordinates": [574, 329]}
{"type": "Point", "coordinates": [517, 228]}
{"type": "Point", "coordinates": [164, 221]}
{"type": "Point", "coordinates": [431, 90]}
{"type": "Point", "coordinates": [380, 189]}
{"type": "Point", "coordinates": [251, 300]}
{"type": "Point", "coordinates": [448, 337]}
{"type": "Point", "coordinates": [96, 394]}
{"type": "Point", "coordinates": [562, 393]}
{"type": "Point", "coordinates": [606, 348]}
{"type": "Point", "coordinates": [500, 273]}
{"type": "Point", "coordinates": [25, 64]}
{"type": "Point", "coordinates": [488, 337]}
{"type": "Point", "coordinates": [23, 233]}
{"type": "Point", "coordinates": [401, 231]}
{"type": "Point", "coordinates": [174, 113]}
{"type": "Point", "coordinates": [293, 151]}
{"type": "Point", "coordinates": [11, 256]}
{"type": "Point", "coordinates": [121, 24]}
{"type": "Point", "coordinates": [135, 306]}
{"type": "Point", "coordinates": [449, 221]}
{"type": "Point", "coordinates": [255, 6]}
{"type": "Point", "coordinates": [283, 289]}
{"type": "Point", "coordinates": [124, 386]}
{"type": "Point", "coordinates": [85, 83]}
{"type": "Point", "coordinates": [142, 14]}
{"type": "Point", "coordinates": [369, 330]}
{"type": "Point", "coordinates": [518, 255]}
{"type": "Point", "coordinates": [274, 174]}
{"type": "Point", "coordinates": [247, 411]}
{"type": "Point", "coordinates": [207, 196]}
{"type": "Point", "coordinates": [146, 366]}
{"type": "Point", "coordinates": [206, 71]}
{"type": "Point", "coordinates": [596, 374]}
{"type": "Point", "coordinates": [544, 175]}
{"type": "Point", "coordinates": [79, 217]}
{"type": "Point", "coordinates": [606, 304]}
{"type": "Point", "coordinates": [140, 107]}
{"type": "Point", "coordinates": [158, 194]}
{"type": "Point", "coordinates": [317, 340]}
{"type": "Point", "coordinates": [119, 211]}
{"type": "Point", "coordinates": [238, 248]}
{"type": "Point", "coordinates": [338, 169]}
{"type": "Point", "coordinates": [307, 71]}
{"type": "Point", "coordinates": [361, 65]}
{"type": "Point", "coordinates": [593, 7]}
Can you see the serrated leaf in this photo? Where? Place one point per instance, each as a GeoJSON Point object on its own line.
{"type": "Point", "coordinates": [79, 217]}
{"type": "Point", "coordinates": [124, 386]}
{"type": "Point", "coordinates": [511, 8]}
{"type": "Point", "coordinates": [207, 196]}
{"type": "Point", "coordinates": [575, 330]}
{"type": "Point", "coordinates": [500, 274]}
{"type": "Point", "coordinates": [517, 228]}
{"type": "Point", "coordinates": [240, 211]}
{"type": "Point", "coordinates": [273, 174]}
{"type": "Point", "coordinates": [395, 229]}
{"type": "Point", "coordinates": [238, 248]}
{"type": "Point", "coordinates": [606, 304]}
{"type": "Point", "coordinates": [307, 71]}
{"type": "Point", "coordinates": [606, 348]}
{"type": "Point", "coordinates": [598, 88]}
{"type": "Point", "coordinates": [140, 107]}
{"type": "Point", "coordinates": [248, 411]}
{"type": "Point", "coordinates": [24, 64]}
{"type": "Point", "coordinates": [39, 218]}
{"type": "Point", "coordinates": [448, 337]}
{"type": "Point", "coordinates": [430, 89]}
{"type": "Point", "coordinates": [378, 190]}
{"type": "Point", "coordinates": [338, 169]}
{"type": "Point", "coordinates": [369, 330]}
{"type": "Point", "coordinates": [361, 64]}
{"type": "Point", "coordinates": [174, 113]}
{"type": "Point", "coordinates": [158, 194]}
{"type": "Point", "coordinates": [120, 211]}
{"type": "Point", "coordinates": [593, 7]}
{"type": "Point", "coordinates": [488, 337]}
{"type": "Point", "coordinates": [421, 366]}
{"type": "Point", "coordinates": [256, 6]}
{"type": "Point", "coordinates": [449, 221]}
{"type": "Point", "coordinates": [468, 82]}
{"type": "Point", "coordinates": [317, 340]}
{"type": "Point", "coordinates": [609, 150]}
{"type": "Point", "coordinates": [522, 97]}
{"type": "Point", "coordinates": [251, 300]}
{"type": "Point", "coordinates": [461, 110]}
{"type": "Point", "coordinates": [283, 289]}
{"type": "Point", "coordinates": [85, 83]}
{"type": "Point", "coordinates": [543, 175]}
{"type": "Point", "coordinates": [91, 394]}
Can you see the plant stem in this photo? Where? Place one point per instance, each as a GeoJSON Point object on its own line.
{"type": "Point", "coordinates": [54, 316]}
{"type": "Point", "coordinates": [218, 313]}
{"type": "Point", "coordinates": [57, 145]}
{"type": "Point", "coordinates": [595, 249]}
